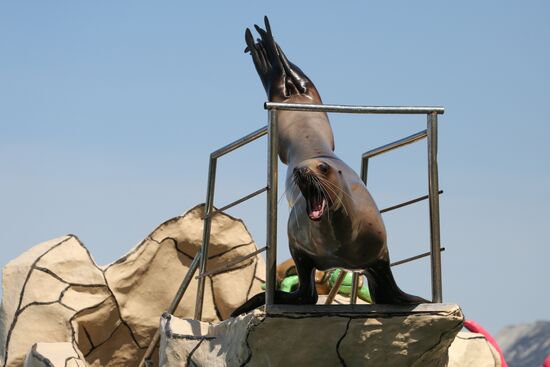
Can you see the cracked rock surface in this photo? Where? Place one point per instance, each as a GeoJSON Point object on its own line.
{"type": "Point", "coordinates": [81, 314]}
{"type": "Point", "coordinates": [381, 335]}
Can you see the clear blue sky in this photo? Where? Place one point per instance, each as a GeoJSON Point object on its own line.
{"type": "Point", "coordinates": [109, 110]}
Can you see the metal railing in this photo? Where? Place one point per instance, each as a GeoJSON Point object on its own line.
{"type": "Point", "coordinates": [433, 184]}
{"type": "Point", "coordinates": [200, 259]}
{"type": "Point", "coordinates": [433, 194]}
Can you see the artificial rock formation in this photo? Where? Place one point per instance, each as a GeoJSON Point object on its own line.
{"type": "Point", "coordinates": [60, 309]}
{"type": "Point", "coordinates": [472, 349]}
{"type": "Point", "coordinates": [378, 336]}
{"type": "Point", "coordinates": [55, 295]}
{"type": "Point", "coordinates": [53, 355]}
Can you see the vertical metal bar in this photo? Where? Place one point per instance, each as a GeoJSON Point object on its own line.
{"type": "Point", "coordinates": [364, 169]}
{"type": "Point", "coordinates": [271, 235]}
{"type": "Point", "coordinates": [336, 287]}
{"type": "Point", "coordinates": [206, 235]}
{"type": "Point", "coordinates": [354, 288]}
{"type": "Point", "coordinates": [433, 190]}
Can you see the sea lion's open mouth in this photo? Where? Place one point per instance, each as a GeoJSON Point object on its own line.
{"type": "Point", "coordinates": [315, 201]}
{"type": "Point", "coordinates": [313, 192]}
{"type": "Point", "coordinates": [316, 209]}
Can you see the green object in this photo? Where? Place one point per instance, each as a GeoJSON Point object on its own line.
{"type": "Point", "coordinates": [345, 288]}
{"type": "Point", "coordinates": [289, 283]}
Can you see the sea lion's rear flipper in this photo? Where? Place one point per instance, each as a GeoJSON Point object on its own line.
{"type": "Point", "coordinates": [383, 288]}
{"type": "Point", "coordinates": [298, 297]}
{"type": "Point", "coordinates": [254, 302]}
{"type": "Point", "coordinates": [281, 78]}
{"type": "Point", "coordinates": [304, 295]}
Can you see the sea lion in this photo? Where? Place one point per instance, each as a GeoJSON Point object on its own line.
{"type": "Point", "coordinates": [334, 222]}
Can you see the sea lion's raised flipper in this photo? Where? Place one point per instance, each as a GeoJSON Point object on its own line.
{"type": "Point", "coordinates": [281, 78]}
{"type": "Point", "coordinates": [383, 288]}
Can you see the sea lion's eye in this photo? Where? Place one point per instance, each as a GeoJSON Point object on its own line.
{"type": "Point", "coordinates": [323, 168]}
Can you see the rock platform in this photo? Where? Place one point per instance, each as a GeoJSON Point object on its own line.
{"type": "Point", "coordinates": [334, 335]}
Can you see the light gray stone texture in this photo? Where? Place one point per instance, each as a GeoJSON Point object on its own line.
{"type": "Point", "coordinates": [377, 335]}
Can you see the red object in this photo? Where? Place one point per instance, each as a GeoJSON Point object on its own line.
{"type": "Point", "coordinates": [477, 328]}
{"type": "Point", "coordinates": [547, 361]}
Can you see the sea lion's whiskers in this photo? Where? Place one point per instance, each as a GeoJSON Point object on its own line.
{"type": "Point", "coordinates": [293, 186]}
{"type": "Point", "coordinates": [336, 187]}
{"type": "Point", "coordinates": [290, 188]}
{"type": "Point", "coordinates": [335, 190]}
{"type": "Point", "coordinates": [325, 197]}
{"type": "Point", "coordinates": [341, 202]}
{"type": "Point", "coordinates": [332, 188]}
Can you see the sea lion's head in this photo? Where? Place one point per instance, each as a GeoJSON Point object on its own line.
{"type": "Point", "coordinates": [319, 183]}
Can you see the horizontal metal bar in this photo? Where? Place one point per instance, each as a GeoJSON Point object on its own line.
{"type": "Point", "coordinates": [236, 202]}
{"type": "Point", "coordinates": [228, 265]}
{"type": "Point", "coordinates": [396, 144]}
{"type": "Point", "coordinates": [407, 203]}
{"type": "Point", "coordinates": [240, 142]}
{"type": "Point", "coordinates": [354, 109]}
{"type": "Point", "coordinates": [409, 259]}
{"type": "Point", "coordinates": [362, 309]}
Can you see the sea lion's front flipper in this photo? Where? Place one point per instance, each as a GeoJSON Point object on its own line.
{"type": "Point", "coordinates": [383, 288]}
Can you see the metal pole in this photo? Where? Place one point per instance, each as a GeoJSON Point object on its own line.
{"type": "Point", "coordinates": [419, 110]}
{"type": "Point", "coordinates": [206, 235]}
{"type": "Point", "coordinates": [336, 287]}
{"type": "Point", "coordinates": [413, 258]}
{"type": "Point", "coordinates": [173, 306]}
{"type": "Point", "coordinates": [394, 145]}
{"type": "Point", "coordinates": [433, 190]}
{"type": "Point", "coordinates": [271, 235]}
{"type": "Point", "coordinates": [354, 288]}
{"type": "Point", "coordinates": [409, 202]}
{"type": "Point", "coordinates": [240, 142]}
{"type": "Point", "coordinates": [364, 169]}
{"type": "Point", "coordinates": [230, 264]}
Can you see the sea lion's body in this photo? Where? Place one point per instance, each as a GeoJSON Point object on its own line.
{"type": "Point", "coordinates": [334, 222]}
{"type": "Point", "coordinates": [338, 239]}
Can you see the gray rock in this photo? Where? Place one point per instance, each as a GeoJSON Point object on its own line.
{"type": "Point", "coordinates": [379, 335]}
{"type": "Point", "coordinates": [525, 345]}
{"type": "Point", "coordinates": [472, 349]}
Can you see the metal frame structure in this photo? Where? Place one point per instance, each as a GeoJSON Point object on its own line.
{"type": "Point", "coordinates": [200, 260]}
{"type": "Point", "coordinates": [433, 183]}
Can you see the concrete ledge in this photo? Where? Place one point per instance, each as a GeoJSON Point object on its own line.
{"type": "Point", "coordinates": [336, 335]}
{"type": "Point", "coordinates": [362, 309]}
